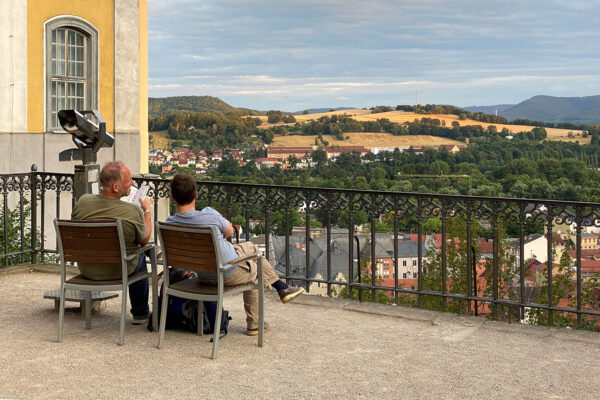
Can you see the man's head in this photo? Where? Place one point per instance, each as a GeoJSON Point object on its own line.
{"type": "Point", "coordinates": [183, 189]}
{"type": "Point", "coordinates": [115, 179]}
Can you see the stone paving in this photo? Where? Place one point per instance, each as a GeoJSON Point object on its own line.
{"type": "Point", "coordinates": [317, 348]}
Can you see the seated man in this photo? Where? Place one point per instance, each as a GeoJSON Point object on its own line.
{"type": "Point", "coordinates": [183, 192]}
{"type": "Point", "coordinates": [115, 179]}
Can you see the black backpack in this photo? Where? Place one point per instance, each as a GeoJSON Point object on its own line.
{"type": "Point", "coordinates": [183, 313]}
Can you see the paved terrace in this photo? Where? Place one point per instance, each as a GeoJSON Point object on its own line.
{"type": "Point", "coordinates": [317, 348]}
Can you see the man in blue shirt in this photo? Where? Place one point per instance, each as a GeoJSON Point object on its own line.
{"type": "Point", "coordinates": [183, 192]}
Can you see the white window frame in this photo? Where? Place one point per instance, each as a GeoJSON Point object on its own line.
{"type": "Point", "coordinates": [91, 66]}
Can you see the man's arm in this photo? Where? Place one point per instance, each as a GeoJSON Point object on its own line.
{"type": "Point", "coordinates": [146, 206]}
{"type": "Point", "coordinates": [228, 232]}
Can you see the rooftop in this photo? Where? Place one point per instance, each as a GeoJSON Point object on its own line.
{"type": "Point", "coordinates": [317, 348]}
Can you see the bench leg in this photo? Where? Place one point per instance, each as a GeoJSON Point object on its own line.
{"type": "Point", "coordinates": [61, 314]}
{"type": "Point", "coordinates": [217, 329]}
{"type": "Point", "coordinates": [163, 318]}
{"type": "Point", "coordinates": [200, 325]}
{"type": "Point", "coordinates": [88, 309]}
{"type": "Point", "coordinates": [123, 312]}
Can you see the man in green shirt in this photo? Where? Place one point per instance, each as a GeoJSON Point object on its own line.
{"type": "Point", "coordinates": [115, 179]}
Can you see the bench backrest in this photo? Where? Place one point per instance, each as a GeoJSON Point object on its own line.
{"type": "Point", "coordinates": [190, 247]}
{"type": "Point", "coordinates": [97, 241]}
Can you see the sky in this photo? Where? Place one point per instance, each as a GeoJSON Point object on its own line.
{"type": "Point", "coordinates": [295, 55]}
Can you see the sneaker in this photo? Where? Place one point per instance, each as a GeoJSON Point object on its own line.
{"type": "Point", "coordinates": [254, 332]}
{"type": "Point", "coordinates": [141, 319]}
{"type": "Point", "coordinates": [290, 293]}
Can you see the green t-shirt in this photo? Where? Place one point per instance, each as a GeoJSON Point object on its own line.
{"type": "Point", "coordinates": [93, 206]}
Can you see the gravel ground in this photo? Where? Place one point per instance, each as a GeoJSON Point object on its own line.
{"type": "Point", "coordinates": [317, 348]}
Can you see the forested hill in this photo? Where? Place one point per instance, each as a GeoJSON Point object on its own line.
{"type": "Point", "coordinates": [577, 110]}
{"type": "Point", "coordinates": [158, 106]}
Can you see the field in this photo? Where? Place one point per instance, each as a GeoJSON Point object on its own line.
{"type": "Point", "coordinates": [366, 139]}
{"type": "Point", "coordinates": [160, 139]}
{"type": "Point", "coordinates": [403, 116]}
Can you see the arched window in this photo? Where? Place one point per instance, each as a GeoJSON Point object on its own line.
{"type": "Point", "coordinates": [71, 67]}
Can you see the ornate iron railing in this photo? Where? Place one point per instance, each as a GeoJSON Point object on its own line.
{"type": "Point", "coordinates": [453, 275]}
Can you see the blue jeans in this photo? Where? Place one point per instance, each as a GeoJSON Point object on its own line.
{"type": "Point", "coordinates": [138, 291]}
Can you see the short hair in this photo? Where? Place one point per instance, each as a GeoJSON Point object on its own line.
{"type": "Point", "coordinates": [111, 173]}
{"type": "Point", "coordinates": [183, 189]}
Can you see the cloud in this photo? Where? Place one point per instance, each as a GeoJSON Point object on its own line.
{"type": "Point", "coordinates": [317, 52]}
{"type": "Point", "coordinates": [165, 86]}
{"type": "Point", "coordinates": [259, 91]}
{"type": "Point", "coordinates": [259, 79]}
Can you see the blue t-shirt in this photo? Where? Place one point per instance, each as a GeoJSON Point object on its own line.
{"type": "Point", "coordinates": [208, 217]}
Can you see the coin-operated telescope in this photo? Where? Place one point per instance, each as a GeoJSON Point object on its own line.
{"type": "Point", "coordinates": [88, 132]}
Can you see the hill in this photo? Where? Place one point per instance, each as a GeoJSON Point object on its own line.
{"type": "Point", "coordinates": [167, 105]}
{"type": "Point", "coordinates": [577, 110]}
{"type": "Point", "coordinates": [323, 110]}
{"type": "Point", "coordinates": [500, 108]}
{"type": "Point", "coordinates": [565, 135]}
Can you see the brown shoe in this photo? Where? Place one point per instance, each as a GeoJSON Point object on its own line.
{"type": "Point", "coordinates": [290, 293]}
{"type": "Point", "coordinates": [254, 332]}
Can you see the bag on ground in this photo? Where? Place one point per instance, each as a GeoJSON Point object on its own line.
{"type": "Point", "coordinates": [183, 313]}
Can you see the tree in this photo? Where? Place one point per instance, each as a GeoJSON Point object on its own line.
{"type": "Point", "coordinates": [562, 285]}
{"type": "Point", "coordinates": [274, 116]}
{"type": "Point", "coordinates": [319, 156]}
{"type": "Point", "coordinates": [278, 221]}
{"type": "Point", "coordinates": [358, 218]}
{"type": "Point", "coordinates": [439, 168]}
{"type": "Point", "coordinates": [364, 278]}
{"type": "Point", "coordinates": [229, 166]}
{"type": "Point", "coordinates": [12, 218]}
{"type": "Point", "coordinates": [293, 161]}
{"type": "Point", "coordinates": [432, 225]}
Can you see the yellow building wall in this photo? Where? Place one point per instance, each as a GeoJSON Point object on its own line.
{"type": "Point", "coordinates": [144, 139]}
{"type": "Point", "coordinates": [99, 13]}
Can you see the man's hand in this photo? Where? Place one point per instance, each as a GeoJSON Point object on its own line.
{"type": "Point", "coordinates": [146, 203]}
{"type": "Point", "coordinates": [228, 232]}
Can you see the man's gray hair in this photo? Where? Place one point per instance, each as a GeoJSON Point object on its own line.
{"type": "Point", "coordinates": [111, 173]}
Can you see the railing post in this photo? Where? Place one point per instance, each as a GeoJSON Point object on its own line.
{"type": "Point", "coordinates": [350, 248]}
{"type": "Point", "coordinates": [444, 257]}
{"type": "Point", "coordinates": [522, 217]}
{"type": "Point", "coordinates": [396, 254]}
{"type": "Point", "coordinates": [33, 183]}
{"type": "Point", "coordinates": [495, 265]}
{"type": "Point", "coordinates": [5, 219]}
{"type": "Point", "coordinates": [267, 223]}
{"type": "Point", "coordinates": [550, 260]}
{"type": "Point", "coordinates": [307, 239]}
{"type": "Point", "coordinates": [578, 229]}
{"type": "Point", "coordinates": [470, 274]}
{"type": "Point", "coordinates": [329, 245]}
{"type": "Point", "coordinates": [373, 255]}
{"type": "Point", "coordinates": [357, 240]}
{"type": "Point", "coordinates": [419, 253]}
{"type": "Point", "coordinates": [287, 234]}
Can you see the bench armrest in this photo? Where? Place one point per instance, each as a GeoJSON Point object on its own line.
{"type": "Point", "coordinates": [138, 251]}
{"type": "Point", "coordinates": [238, 261]}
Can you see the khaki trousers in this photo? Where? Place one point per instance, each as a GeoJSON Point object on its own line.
{"type": "Point", "coordinates": [247, 273]}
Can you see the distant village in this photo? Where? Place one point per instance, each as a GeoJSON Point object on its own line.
{"type": "Point", "coordinates": [287, 157]}
{"type": "Point", "coordinates": [404, 248]}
